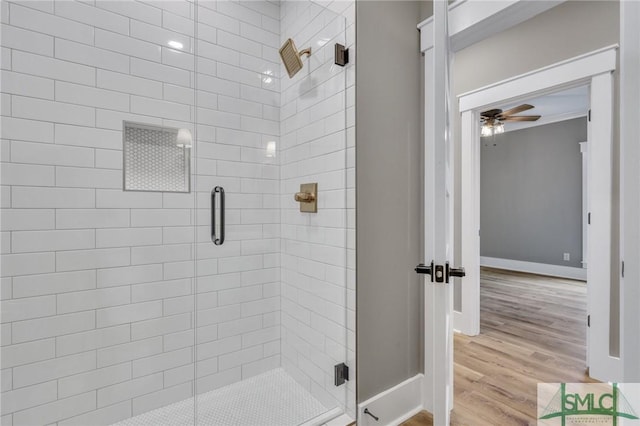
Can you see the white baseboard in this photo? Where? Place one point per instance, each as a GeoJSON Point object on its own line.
{"type": "Point", "coordinates": [394, 405]}
{"type": "Point", "coordinates": [535, 268]}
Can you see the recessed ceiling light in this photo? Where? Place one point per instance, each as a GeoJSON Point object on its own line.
{"type": "Point", "coordinates": [175, 44]}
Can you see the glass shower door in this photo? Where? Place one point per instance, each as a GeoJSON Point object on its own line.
{"type": "Point", "coordinates": [152, 248]}
{"type": "Point", "coordinates": [271, 300]}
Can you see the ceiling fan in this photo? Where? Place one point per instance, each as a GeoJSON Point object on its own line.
{"type": "Point", "coordinates": [493, 119]}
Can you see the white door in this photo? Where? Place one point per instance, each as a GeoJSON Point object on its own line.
{"type": "Point", "coordinates": [438, 238]}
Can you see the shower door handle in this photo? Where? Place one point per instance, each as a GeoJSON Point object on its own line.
{"type": "Point", "coordinates": [217, 240]}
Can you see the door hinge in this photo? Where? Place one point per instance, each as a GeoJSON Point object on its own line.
{"type": "Point", "coordinates": [341, 374]}
{"type": "Point", "coordinates": [622, 269]}
{"type": "Point", "coordinates": [588, 320]}
{"type": "Point", "coordinates": [589, 116]}
{"type": "Point", "coordinates": [589, 218]}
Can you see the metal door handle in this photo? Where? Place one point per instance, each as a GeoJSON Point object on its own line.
{"type": "Point", "coordinates": [440, 273]}
{"type": "Point", "coordinates": [436, 272]}
{"type": "Point", "coordinates": [457, 272]}
{"type": "Point", "coordinates": [454, 272]}
{"type": "Point", "coordinates": [217, 240]}
{"type": "Point", "coordinates": [425, 269]}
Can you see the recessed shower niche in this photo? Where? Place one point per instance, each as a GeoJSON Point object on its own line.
{"type": "Point", "coordinates": [156, 158]}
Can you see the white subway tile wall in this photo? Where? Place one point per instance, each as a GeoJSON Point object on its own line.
{"type": "Point", "coordinates": [317, 145]}
{"type": "Point", "coordinates": [105, 293]}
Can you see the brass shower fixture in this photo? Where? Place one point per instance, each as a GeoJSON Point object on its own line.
{"type": "Point", "coordinates": [291, 57]}
{"type": "Point", "coordinates": [308, 197]}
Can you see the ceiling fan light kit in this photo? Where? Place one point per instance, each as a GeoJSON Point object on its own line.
{"type": "Point", "coordinates": [493, 120]}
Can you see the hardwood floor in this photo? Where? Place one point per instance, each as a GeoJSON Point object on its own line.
{"type": "Point", "coordinates": [532, 329]}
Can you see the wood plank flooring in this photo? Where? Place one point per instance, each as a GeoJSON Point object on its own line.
{"type": "Point", "coordinates": [532, 329]}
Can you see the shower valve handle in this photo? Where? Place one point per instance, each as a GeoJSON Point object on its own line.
{"type": "Point", "coordinates": [305, 197]}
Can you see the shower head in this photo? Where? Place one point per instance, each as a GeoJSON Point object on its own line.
{"type": "Point", "coordinates": [291, 57]}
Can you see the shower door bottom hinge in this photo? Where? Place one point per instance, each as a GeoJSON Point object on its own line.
{"type": "Point", "coordinates": [341, 55]}
{"type": "Point", "coordinates": [341, 373]}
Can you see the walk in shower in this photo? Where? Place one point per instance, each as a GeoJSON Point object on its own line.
{"type": "Point", "coordinates": [161, 262]}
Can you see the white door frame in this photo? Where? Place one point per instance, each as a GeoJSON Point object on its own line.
{"type": "Point", "coordinates": [489, 18]}
{"type": "Point", "coordinates": [438, 343]}
{"type": "Point", "coordinates": [629, 192]}
{"type": "Point", "coordinates": [595, 69]}
{"type": "Point", "coordinates": [584, 153]}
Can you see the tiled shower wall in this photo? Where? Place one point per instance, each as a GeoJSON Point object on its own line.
{"type": "Point", "coordinates": [318, 145]}
{"type": "Point", "coordinates": [98, 284]}
{"type": "Point", "coordinates": [238, 297]}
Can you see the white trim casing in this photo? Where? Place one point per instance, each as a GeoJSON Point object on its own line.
{"type": "Point", "coordinates": [467, 320]}
{"type": "Point", "coordinates": [570, 73]}
{"type": "Point", "coordinates": [438, 299]}
{"type": "Point", "coordinates": [584, 153]}
{"type": "Point", "coordinates": [429, 223]}
{"type": "Point", "coordinates": [394, 405]}
{"type": "Point", "coordinates": [535, 268]}
{"type": "Point", "coordinates": [602, 366]}
{"type": "Point", "coordinates": [471, 21]}
{"type": "Point", "coordinates": [630, 187]}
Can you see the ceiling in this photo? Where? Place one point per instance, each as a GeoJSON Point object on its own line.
{"type": "Point", "coordinates": [554, 107]}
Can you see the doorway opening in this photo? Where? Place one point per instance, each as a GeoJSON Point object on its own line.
{"type": "Point", "coordinates": [569, 77]}
{"type": "Point", "coordinates": [534, 187]}
{"type": "Point", "coordinates": [533, 294]}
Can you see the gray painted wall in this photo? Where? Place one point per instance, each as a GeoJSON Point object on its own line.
{"type": "Point", "coordinates": [570, 29]}
{"type": "Point", "coordinates": [388, 192]}
{"type": "Point", "coordinates": [531, 194]}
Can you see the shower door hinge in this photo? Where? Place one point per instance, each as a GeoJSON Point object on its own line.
{"type": "Point", "coordinates": [588, 320]}
{"type": "Point", "coordinates": [341, 374]}
{"type": "Point", "coordinates": [589, 116]}
{"type": "Point", "coordinates": [341, 55]}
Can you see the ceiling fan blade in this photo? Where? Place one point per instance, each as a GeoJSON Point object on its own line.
{"type": "Point", "coordinates": [492, 113]}
{"type": "Point", "coordinates": [522, 118]}
{"type": "Point", "coordinates": [515, 110]}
